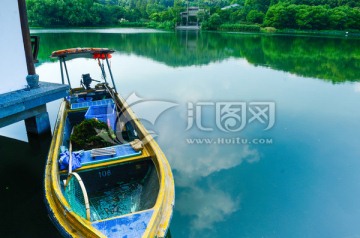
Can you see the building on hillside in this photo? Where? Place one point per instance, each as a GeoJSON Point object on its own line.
{"type": "Point", "coordinates": [189, 19]}
{"type": "Point", "coordinates": [230, 6]}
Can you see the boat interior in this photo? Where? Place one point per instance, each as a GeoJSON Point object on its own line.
{"type": "Point", "coordinates": [117, 186]}
{"type": "Point", "coordinates": [116, 190]}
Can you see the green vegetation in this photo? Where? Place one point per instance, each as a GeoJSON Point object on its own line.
{"type": "Point", "coordinates": [165, 14]}
{"type": "Point", "coordinates": [87, 135]}
{"type": "Point", "coordinates": [239, 27]}
{"type": "Point", "coordinates": [305, 17]}
{"type": "Point", "coordinates": [87, 13]}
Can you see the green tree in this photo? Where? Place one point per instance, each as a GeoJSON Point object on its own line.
{"type": "Point", "coordinates": [201, 16]}
{"type": "Point", "coordinates": [337, 18]}
{"type": "Point", "coordinates": [281, 16]}
{"type": "Point", "coordinates": [255, 16]}
{"type": "Point", "coordinates": [260, 5]}
{"type": "Point", "coordinates": [154, 8]}
{"type": "Point", "coordinates": [213, 23]}
{"type": "Point", "coordinates": [238, 16]}
{"type": "Point", "coordinates": [312, 17]}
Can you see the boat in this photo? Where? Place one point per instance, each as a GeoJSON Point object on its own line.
{"type": "Point", "coordinates": [124, 188]}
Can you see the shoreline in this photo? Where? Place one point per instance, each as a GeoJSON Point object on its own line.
{"type": "Point", "coordinates": [335, 33]}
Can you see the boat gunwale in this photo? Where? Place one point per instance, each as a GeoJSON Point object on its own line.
{"type": "Point", "coordinates": [61, 213]}
{"type": "Point", "coordinates": [165, 179]}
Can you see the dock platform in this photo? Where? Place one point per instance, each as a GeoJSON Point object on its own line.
{"type": "Point", "coordinates": [30, 105]}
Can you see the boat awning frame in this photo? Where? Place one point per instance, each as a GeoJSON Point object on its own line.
{"type": "Point", "coordinates": [74, 53]}
{"type": "Point", "coordinates": [89, 53]}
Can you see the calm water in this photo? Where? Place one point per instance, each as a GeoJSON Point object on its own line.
{"type": "Point", "coordinates": [304, 182]}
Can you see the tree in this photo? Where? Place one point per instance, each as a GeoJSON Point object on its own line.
{"type": "Point", "coordinates": [213, 23]}
{"type": "Point", "coordinates": [260, 5]}
{"type": "Point", "coordinates": [255, 16]}
{"type": "Point", "coordinates": [201, 15]}
{"type": "Point", "coordinates": [281, 16]}
{"type": "Point", "coordinates": [238, 15]}
{"type": "Point", "coordinates": [337, 18]}
{"type": "Point", "coordinates": [312, 17]}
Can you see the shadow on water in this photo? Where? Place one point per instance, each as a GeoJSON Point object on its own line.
{"type": "Point", "coordinates": [22, 209]}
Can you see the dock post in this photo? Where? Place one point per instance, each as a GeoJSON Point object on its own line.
{"type": "Point", "coordinates": [39, 124]}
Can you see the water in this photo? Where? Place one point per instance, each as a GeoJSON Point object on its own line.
{"type": "Point", "coordinates": [302, 182]}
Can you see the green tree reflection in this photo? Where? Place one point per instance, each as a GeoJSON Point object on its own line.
{"type": "Point", "coordinates": [333, 59]}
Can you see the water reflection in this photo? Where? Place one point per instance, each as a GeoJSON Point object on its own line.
{"type": "Point", "coordinates": [23, 213]}
{"type": "Point", "coordinates": [205, 207]}
{"type": "Point", "coordinates": [206, 160]}
{"type": "Point", "coordinates": [332, 59]}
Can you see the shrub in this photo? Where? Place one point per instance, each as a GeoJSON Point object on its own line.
{"type": "Point", "coordinates": [240, 27]}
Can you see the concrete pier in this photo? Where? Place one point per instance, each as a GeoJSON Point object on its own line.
{"type": "Point", "coordinates": [30, 105]}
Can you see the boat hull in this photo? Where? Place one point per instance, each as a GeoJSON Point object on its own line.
{"type": "Point", "coordinates": [71, 224]}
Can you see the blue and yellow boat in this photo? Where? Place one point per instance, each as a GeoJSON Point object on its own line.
{"type": "Point", "coordinates": [123, 189]}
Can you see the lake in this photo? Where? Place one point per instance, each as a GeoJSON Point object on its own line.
{"type": "Point", "coordinates": [262, 136]}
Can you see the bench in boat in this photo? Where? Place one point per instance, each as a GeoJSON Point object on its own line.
{"type": "Point", "coordinates": [108, 154]}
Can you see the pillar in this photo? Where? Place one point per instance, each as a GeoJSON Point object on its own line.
{"type": "Point", "coordinates": [38, 124]}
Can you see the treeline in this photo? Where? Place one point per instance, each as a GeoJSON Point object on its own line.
{"type": "Point", "coordinates": [317, 17]}
{"type": "Point", "coordinates": [238, 15]}
{"type": "Point", "coordinates": [289, 14]}
{"type": "Point", "coordinates": [48, 13]}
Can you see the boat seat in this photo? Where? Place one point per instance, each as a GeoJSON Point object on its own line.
{"type": "Point", "coordinates": [108, 154]}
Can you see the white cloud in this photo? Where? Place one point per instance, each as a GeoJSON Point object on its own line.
{"type": "Point", "coordinates": [206, 207]}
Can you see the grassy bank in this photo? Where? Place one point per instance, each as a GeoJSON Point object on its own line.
{"type": "Point", "coordinates": [355, 33]}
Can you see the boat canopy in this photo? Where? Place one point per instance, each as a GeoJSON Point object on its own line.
{"type": "Point", "coordinates": [73, 53]}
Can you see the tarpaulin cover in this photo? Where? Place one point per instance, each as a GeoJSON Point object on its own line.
{"type": "Point", "coordinates": [64, 160]}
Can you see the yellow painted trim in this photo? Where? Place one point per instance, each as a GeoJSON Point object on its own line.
{"type": "Point", "coordinates": [163, 208]}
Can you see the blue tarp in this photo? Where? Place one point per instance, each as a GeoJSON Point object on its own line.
{"type": "Point", "coordinates": [64, 160]}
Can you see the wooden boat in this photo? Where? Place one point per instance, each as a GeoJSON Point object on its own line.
{"type": "Point", "coordinates": [122, 190]}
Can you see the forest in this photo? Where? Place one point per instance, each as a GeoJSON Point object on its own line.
{"type": "Point", "coordinates": [238, 15]}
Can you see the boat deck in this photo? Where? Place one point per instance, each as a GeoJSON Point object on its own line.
{"type": "Point", "coordinates": [118, 201]}
{"type": "Point", "coordinates": [133, 225]}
